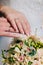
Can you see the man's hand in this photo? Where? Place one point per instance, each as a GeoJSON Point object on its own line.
{"type": "Point", "coordinates": [17, 20]}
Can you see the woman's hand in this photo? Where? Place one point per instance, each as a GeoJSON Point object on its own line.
{"type": "Point", "coordinates": [17, 20]}
{"type": "Point", "coordinates": [7, 30]}
{"type": "Point", "coordinates": [5, 27]}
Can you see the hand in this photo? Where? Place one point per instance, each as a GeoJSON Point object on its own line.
{"type": "Point", "coordinates": [5, 27]}
{"type": "Point", "coordinates": [7, 30]}
{"type": "Point", "coordinates": [17, 20]}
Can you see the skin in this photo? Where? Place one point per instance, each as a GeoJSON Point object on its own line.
{"type": "Point", "coordinates": [4, 25]}
{"type": "Point", "coordinates": [18, 22]}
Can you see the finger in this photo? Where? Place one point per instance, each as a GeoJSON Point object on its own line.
{"type": "Point", "coordinates": [28, 26]}
{"type": "Point", "coordinates": [7, 24]}
{"type": "Point", "coordinates": [9, 34]}
{"type": "Point", "coordinates": [11, 29]}
{"type": "Point", "coordinates": [13, 24]}
{"type": "Point", "coordinates": [4, 22]}
{"type": "Point", "coordinates": [25, 28]}
{"type": "Point", "coordinates": [2, 18]}
{"type": "Point", "coordinates": [19, 26]}
{"type": "Point", "coordinates": [4, 28]}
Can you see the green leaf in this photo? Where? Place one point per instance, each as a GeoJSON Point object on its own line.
{"type": "Point", "coordinates": [29, 63]}
{"type": "Point", "coordinates": [3, 56]}
{"type": "Point", "coordinates": [32, 52]}
{"type": "Point", "coordinates": [11, 50]}
{"type": "Point", "coordinates": [26, 43]}
{"type": "Point", "coordinates": [11, 60]}
{"type": "Point", "coordinates": [4, 64]}
{"type": "Point", "coordinates": [18, 41]}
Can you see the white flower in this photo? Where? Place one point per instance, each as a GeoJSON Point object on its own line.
{"type": "Point", "coordinates": [17, 49]}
